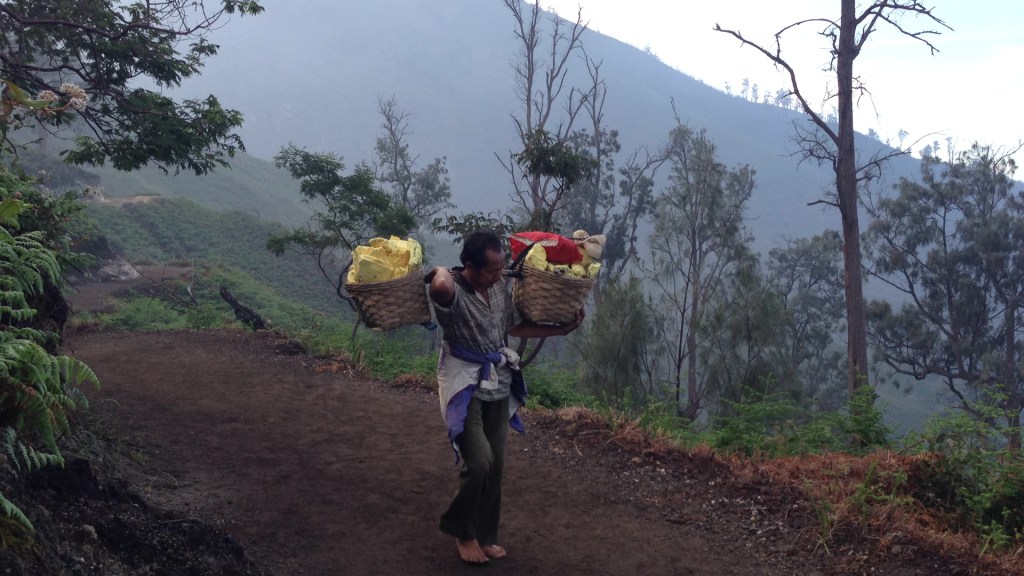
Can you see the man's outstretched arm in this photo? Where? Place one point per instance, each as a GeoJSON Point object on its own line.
{"type": "Point", "coordinates": [528, 329]}
{"type": "Point", "coordinates": [442, 285]}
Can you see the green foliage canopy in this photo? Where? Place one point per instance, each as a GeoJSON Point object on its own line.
{"type": "Point", "coordinates": [698, 242]}
{"type": "Point", "coordinates": [615, 341]}
{"type": "Point", "coordinates": [559, 161]}
{"type": "Point", "coordinates": [349, 209]}
{"type": "Point", "coordinates": [100, 54]}
{"type": "Point", "coordinates": [953, 244]}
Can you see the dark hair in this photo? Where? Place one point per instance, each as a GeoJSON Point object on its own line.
{"type": "Point", "coordinates": [476, 245]}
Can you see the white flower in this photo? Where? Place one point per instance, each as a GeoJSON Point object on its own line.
{"type": "Point", "coordinates": [77, 103]}
{"type": "Point", "coordinates": [73, 91]}
{"type": "Point", "coordinates": [47, 95]}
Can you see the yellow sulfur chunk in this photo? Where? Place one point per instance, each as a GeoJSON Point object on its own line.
{"type": "Point", "coordinates": [373, 269]}
{"type": "Point", "coordinates": [398, 251]}
{"type": "Point", "coordinates": [579, 271]}
{"type": "Point", "coordinates": [592, 269]}
{"type": "Point", "coordinates": [415, 254]}
{"type": "Point", "coordinates": [537, 257]}
{"type": "Point", "coordinates": [357, 256]}
{"type": "Point", "coordinates": [384, 259]}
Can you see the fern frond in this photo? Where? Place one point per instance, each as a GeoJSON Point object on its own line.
{"type": "Point", "coordinates": [8, 440]}
{"type": "Point", "coordinates": [21, 462]}
{"type": "Point", "coordinates": [24, 458]}
{"type": "Point", "coordinates": [28, 262]}
{"type": "Point", "coordinates": [75, 373]}
{"type": "Point", "coordinates": [18, 314]}
{"type": "Point", "coordinates": [7, 508]}
{"type": "Point", "coordinates": [8, 253]}
{"type": "Point", "coordinates": [37, 390]}
{"type": "Point", "coordinates": [12, 300]}
{"type": "Point", "coordinates": [17, 355]}
{"type": "Point", "coordinates": [14, 334]}
{"type": "Point", "coordinates": [76, 400]}
{"type": "Point", "coordinates": [31, 382]}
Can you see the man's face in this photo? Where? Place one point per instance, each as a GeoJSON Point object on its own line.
{"type": "Point", "coordinates": [490, 274]}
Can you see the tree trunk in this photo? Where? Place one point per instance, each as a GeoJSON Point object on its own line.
{"type": "Point", "coordinates": [846, 189]}
{"type": "Point", "coordinates": [857, 344]}
{"type": "Point", "coordinates": [1013, 433]}
{"type": "Point", "coordinates": [680, 346]}
{"type": "Point", "coordinates": [692, 398]}
{"type": "Point", "coordinates": [1012, 388]}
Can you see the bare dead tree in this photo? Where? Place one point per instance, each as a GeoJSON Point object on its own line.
{"type": "Point", "coordinates": [602, 144]}
{"type": "Point", "coordinates": [834, 145]}
{"type": "Point", "coordinates": [541, 69]}
{"type": "Point", "coordinates": [613, 200]}
{"type": "Point", "coordinates": [424, 191]}
{"type": "Point", "coordinates": [393, 150]}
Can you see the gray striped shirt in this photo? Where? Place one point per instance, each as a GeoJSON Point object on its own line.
{"type": "Point", "coordinates": [470, 322]}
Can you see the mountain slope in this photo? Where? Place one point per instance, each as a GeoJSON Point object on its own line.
{"type": "Point", "coordinates": [311, 73]}
{"type": "Point", "coordinates": [251, 185]}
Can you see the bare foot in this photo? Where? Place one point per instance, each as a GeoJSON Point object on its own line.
{"type": "Point", "coordinates": [470, 552]}
{"type": "Point", "coordinates": [494, 551]}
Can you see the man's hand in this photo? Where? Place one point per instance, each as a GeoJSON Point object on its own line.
{"type": "Point", "coordinates": [530, 330]}
{"type": "Point", "coordinates": [580, 315]}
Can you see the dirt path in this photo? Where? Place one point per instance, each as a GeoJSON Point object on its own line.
{"type": "Point", "coordinates": [318, 473]}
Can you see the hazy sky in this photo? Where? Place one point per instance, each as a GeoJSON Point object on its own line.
{"type": "Point", "coordinates": [972, 89]}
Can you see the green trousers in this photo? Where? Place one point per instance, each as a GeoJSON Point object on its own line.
{"type": "Point", "coordinates": [476, 509]}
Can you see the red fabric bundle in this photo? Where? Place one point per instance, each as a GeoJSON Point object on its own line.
{"type": "Point", "coordinates": [560, 250]}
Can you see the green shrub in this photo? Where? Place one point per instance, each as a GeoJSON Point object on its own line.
{"type": "Point", "coordinates": [1006, 507]}
{"type": "Point", "coordinates": [144, 313]}
{"type": "Point", "coordinates": [757, 426]}
{"type": "Point", "coordinates": [973, 475]}
{"type": "Point", "coordinates": [660, 419]}
{"type": "Point", "coordinates": [168, 306]}
{"type": "Point", "coordinates": [207, 315]}
{"type": "Point", "coordinates": [553, 387]}
{"type": "Point", "coordinates": [863, 422]}
{"type": "Point", "coordinates": [774, 425]}
{"type": "Point", "coordinates": [389, 355]}
{"type": "Point", "coordinates": [37, 389]}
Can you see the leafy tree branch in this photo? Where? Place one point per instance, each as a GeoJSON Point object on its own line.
{"type": "Point", "coordinates": [106, 47]}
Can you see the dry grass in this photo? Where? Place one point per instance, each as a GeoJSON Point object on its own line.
{"type": "Point", "coordinates": [591, 428]}
{"type": "Point", "coordinates": [415, 382]}
{"type": "Point", "coordinates": [866, 502]}
{"type": "Point", "coordinates": [873, 496]}
{"type": "Point", "coordinates": [342, 363]}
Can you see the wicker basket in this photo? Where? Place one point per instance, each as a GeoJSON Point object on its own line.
{"type": "Point", "coordinates": [387, 305]}
{"type": "Point", "coordinates": [544, 297]}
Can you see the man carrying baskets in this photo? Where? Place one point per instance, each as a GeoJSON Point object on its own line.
{"type": "Point", "coordinates": [480, 385]}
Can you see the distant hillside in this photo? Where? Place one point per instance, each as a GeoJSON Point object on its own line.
{"type": "Point", "coordinates": [311, 72]}
{"type": "Point", "coordinates": [251, 185]}
{"type": "Point", "coordinates": [180, 230]}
